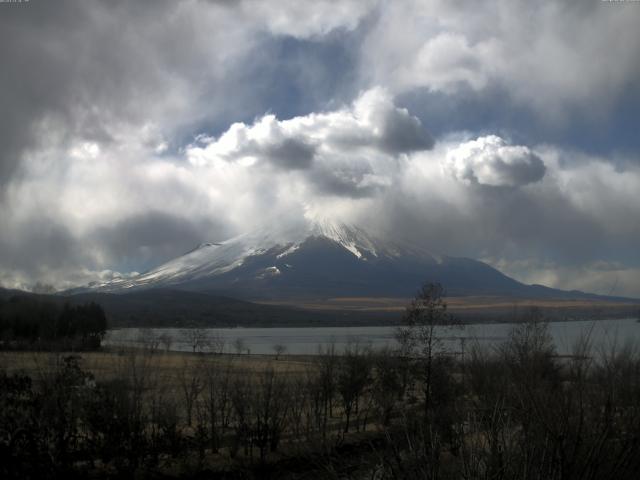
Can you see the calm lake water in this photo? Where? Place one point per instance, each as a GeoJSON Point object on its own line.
{"type": "Point", "coordinates": [301, 341]}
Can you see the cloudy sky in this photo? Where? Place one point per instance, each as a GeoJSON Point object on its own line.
{"type": "Point", "coordinates": [505, 131]}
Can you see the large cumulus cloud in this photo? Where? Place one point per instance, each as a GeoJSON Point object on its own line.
{"type": "Point", "coordinates": [492, 162]}
{"type": "Point", "coordinates": [350, 152]}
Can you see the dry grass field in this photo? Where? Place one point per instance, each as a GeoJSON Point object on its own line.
{"type": "Point", "coordinates": [477, 307]}
{"type": "Point", "coordinates": [167, 366]}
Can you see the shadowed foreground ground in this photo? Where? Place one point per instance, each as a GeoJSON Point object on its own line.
{"type": "Point", "coordinates": [517, 411]}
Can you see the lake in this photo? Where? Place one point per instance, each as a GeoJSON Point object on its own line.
{"type": "Point", "coordinates": [306, 341]}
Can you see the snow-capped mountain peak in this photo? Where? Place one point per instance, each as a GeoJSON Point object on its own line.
{"type": "Point", "coordinates": [289, 254]}
{"type": "Point", "coordinates": [320, 259]}
{"type": "Point", "coordinates": [353, 238]}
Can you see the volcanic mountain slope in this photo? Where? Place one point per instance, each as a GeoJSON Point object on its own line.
{"type": "Point", "coordinates": [324, 259]}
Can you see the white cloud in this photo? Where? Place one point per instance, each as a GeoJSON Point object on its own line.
{"type": "Point", "coordinates": [548, 56]}
{"type": "Point", "coordinates": [492, 162]}
{"type": "Point", "coordinates": [347, 152]}
{"type": "Point", "coordinates": [445, 63]}
{"type": "Point", "coordinates": [307, 19]}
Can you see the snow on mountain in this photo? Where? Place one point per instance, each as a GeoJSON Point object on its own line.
{"type": "Point", "coordinates": [213, 259]}
{"type": "Point", "coordinates": [320, 259]}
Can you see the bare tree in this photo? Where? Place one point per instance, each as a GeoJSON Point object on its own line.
{"type": "Point", "coordinates": [270, 405]}
{"type": "Point", "coordinates": [418, 335]}
{"type": "Point", "coordinates": [387, 385]}
{"type": "Point", "coordinates": [239, 345]}
{"type": "Point", "coordinates": [166, 340]}
{"type": "Point", "coordinates": [303, 398]}
{"type": "Point", "coordinates": [148, 339]}
{"type": "Point", "coordinates": [191, 385]}
{"type": "Point", "coordinates": [327, 365]}
{"type": "Point", "coordinates": [530, 349]}
{"type": "Point", "coordinates": [217, 400]}
{"type": "Point", "coordinates": [216, 343]}
{"type": "Point", "coordinates": [196, 338]}
{"type": "Point", "coordinates": [354, 375]}
{"type": "Point", "coordinates": [279, 349]}
{"type": "Point", "coordinates": [240, 396]}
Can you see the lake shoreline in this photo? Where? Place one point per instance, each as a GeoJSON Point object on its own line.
{"type": "Point", "coordinates": [307, 340]}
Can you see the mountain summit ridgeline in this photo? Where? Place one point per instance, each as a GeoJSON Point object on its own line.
{"type": "Point", "coordinates": [324, 259]}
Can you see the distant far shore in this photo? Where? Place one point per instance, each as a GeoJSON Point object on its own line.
{"type": "Point", "coordinates": [473, 309]}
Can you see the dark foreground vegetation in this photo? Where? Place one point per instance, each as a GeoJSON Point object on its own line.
{"type": "Point", "coordinates": [37, 323]}
{"type": "Point", "coordinates": [515, 412]}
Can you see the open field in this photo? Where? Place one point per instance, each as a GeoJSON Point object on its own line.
{"type": "Point", "coordinates": [476, 307]}
{"type": "Point", "coordinates": [106, 365]}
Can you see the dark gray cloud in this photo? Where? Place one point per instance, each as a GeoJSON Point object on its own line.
{"type": "Point", "coordinates": [275, 147]}
{"type": "Point", "coordinates": [496, 223]}
{"type": "Point", "coordinates": [486, 112]}
{"type": "Point", "coordinates": [147, 239]}
{"type": "Point", "coordinates": [40, 249]}
{"type": "Point", "coordinates": [575, 220]}
{"type": "Point", "coordinates": [72, 64]}
{"type": "Point", "coordinates": [379, 123]}
{"type": "Point", "coordinates": [345, 181]}
{"type": "Point", "coordinates": [40, 241]}
{"type": "Point", "coordinates": [291, 153]}
{"type": "Point", "coordinates": [404, 133]}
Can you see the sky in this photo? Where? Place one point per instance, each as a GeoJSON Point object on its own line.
{"type": "Point", "coordinates": [505, 131]}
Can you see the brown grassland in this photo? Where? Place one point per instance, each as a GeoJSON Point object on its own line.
{"type": "Point", "coordinates": [476, 308]}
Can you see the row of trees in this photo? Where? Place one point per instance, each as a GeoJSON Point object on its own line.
{"type": "Point", "coordinates": [28, 322]}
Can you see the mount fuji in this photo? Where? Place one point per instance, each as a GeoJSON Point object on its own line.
{"type": "Point", "coordinates": [324, 259]}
